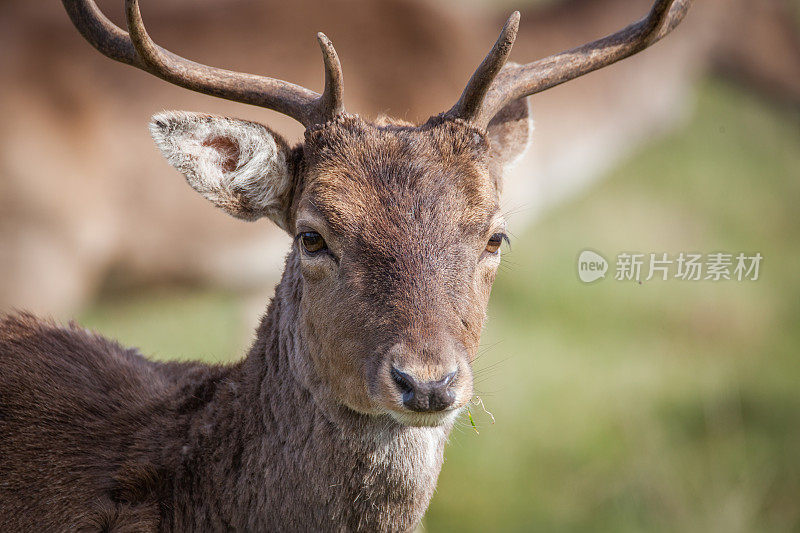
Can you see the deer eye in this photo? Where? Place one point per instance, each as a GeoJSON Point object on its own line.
{"type": "Point", "coordinates": [494, 242]}
{"type": "Point", "coordinates": [312, 242]}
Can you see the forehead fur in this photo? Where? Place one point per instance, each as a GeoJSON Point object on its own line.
{"type": "Point", "coordinates": [359, 172]}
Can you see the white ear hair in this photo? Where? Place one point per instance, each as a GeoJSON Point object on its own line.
{"type": "Point", "coordinates": [238, 165]}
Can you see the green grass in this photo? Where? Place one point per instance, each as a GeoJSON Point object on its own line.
{"type": "Point", "coordinates": [666, 406]}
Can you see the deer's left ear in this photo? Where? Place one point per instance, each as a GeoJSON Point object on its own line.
{"type": "Point", "coordinates": [510, 133]}
{"type": "Point", "coordinates": [242, 167]}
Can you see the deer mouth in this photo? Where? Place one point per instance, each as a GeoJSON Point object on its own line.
{"type": "Point", "coordinates": [437, 419]}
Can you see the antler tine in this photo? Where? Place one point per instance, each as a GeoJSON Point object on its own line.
{"type": "Point", "coordinates": [518, 81]}
{"type": "Point", "coordinates": [136, 48]}
{"type": "Point", "coordinates": [468, 106]}
{"type": "Point", "coordinates": [334, 84]}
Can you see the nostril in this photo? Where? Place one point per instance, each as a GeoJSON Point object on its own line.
{"type": "Point", "coordinates": [441, 394]}
{"type": "Point", "coordinates": [448, 379]}
{"type": "Point", "coordinates": [403, 381]}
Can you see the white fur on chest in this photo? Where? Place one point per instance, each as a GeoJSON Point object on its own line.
{"type": "Point", "coordinates": [414, 456]}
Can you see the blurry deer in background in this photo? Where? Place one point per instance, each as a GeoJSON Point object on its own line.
{"type": "Point", "coordinates": [338, 417]}
{"type": "Point", "coordinates": [60, 100]}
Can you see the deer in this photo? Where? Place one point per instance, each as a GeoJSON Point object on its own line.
{"type": "Point", "coordinates": [137, 228]}
{"type": "Point", "coordinates": [337, 418]}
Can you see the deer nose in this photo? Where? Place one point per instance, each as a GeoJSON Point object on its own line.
{"type": "Point", "coordinates": [424, 396]}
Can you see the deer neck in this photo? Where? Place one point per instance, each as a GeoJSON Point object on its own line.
{"type": "Point", "coordinates": [324, 463]}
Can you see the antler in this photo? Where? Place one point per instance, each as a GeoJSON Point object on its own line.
{"type": "Point", "coordinates": [495, 84]}
{"type": "Point", "coordinates": [135, 48]}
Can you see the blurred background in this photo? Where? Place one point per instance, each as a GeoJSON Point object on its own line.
{"type": "Point", "coordinates": [665, 406]}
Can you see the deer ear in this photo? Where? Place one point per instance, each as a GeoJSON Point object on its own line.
{"type": "Point", "coordinates": [242, 167]}
{"type": "Point", "coordinates": [510, 133]}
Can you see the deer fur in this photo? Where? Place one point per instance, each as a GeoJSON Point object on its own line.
{"type": "Point", "coordinates": [307, 433]}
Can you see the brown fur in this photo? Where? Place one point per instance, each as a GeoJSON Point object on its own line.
{"type": "Point", "coordinates": [309, 432]}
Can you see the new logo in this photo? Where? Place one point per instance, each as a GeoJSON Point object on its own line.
{"type": "Point", "coordinates": [591, 266]}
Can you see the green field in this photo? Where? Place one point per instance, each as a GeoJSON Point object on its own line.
{"type": "Point", "coordinates": [665, 406]}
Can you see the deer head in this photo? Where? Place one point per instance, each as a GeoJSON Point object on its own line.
{"type": "Point", "coordinates": [397, 227]}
